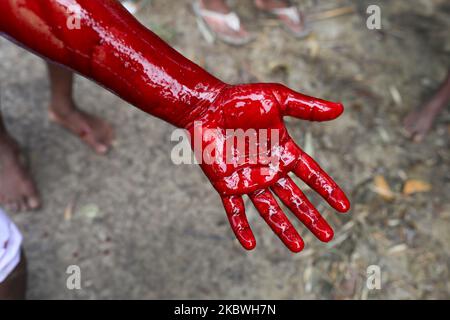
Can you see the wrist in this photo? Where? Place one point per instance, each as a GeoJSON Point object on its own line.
{"type": "Point", "coordinates": [204, 99]}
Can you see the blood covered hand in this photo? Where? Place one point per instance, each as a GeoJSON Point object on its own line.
{"type": "Point", "coordinates": [252, 115]}
{"type": "Point", "coordinates": [103, 42]}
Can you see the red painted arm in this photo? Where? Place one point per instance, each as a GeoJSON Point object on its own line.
{"type": "Point", "coordinates": [102, 41]}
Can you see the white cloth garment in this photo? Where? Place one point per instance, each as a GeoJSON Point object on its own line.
{"type": "Point", "coordinates": [10, 243]}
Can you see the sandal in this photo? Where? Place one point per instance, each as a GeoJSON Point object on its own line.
{"type": "Point", "coordinates": [225, 27]}
{"type": "Point", "coordinates": [292, 20]}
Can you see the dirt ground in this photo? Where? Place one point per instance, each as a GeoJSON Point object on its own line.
{"type": "Point", "coordinates": [130, 219]}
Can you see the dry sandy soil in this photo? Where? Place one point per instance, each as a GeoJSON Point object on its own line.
{"type": "Point", "coordinates": [140, 227]}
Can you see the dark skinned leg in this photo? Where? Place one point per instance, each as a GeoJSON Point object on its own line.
{"type": "Point", "coordinates": [14, 287]}
{"type": "Point", "coordinates": [95, 132]}
{"type": "Point", "coordinates": [419, 122]}
{"type": "Point", "coordinates": [17, 190]}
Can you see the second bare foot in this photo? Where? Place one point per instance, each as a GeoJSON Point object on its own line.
{"type": "Point", "coordinates": [418, 124]}
{"type": "Point", "coordinates": [95, 132]}
{"type": "Point", "coordinates": [17, 190]}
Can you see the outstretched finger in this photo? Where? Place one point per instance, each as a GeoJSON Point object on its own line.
{"type": "Point", "coordinates": [309, 171]}
{"type": "Point", "coordinates": [304, 107]}
{"type": "Point", "coordinates": [235, 209]}
{"type": "Point", "coordinates": [271, 212]}
{"type": "Point", "coordinates": [296, 201]}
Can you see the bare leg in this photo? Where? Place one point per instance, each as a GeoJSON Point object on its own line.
{"type": "Point", "coordinates": [17, 190]}
{"type": "Point", "coordinates": [419, 122]}
{"type": "Point", "coordinates": [14, 287]}
{"type": "Point", "coordinates": [93, 131]}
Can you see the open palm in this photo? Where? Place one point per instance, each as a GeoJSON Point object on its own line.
{"type": "Point", "coordinates": [260, 162]}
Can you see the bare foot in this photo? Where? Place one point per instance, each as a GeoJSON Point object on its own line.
{"type": "Point", "coordinates": [17, 190]}
{"type": "Point", "coordinates": [419, 123]}
{"type": "Point", "coordinates": [95, 132]}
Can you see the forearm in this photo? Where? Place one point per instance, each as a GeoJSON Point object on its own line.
{"type": "Point", "coordinates": [102, 41]}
